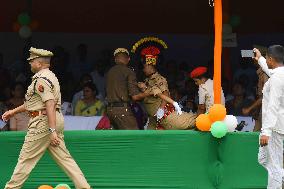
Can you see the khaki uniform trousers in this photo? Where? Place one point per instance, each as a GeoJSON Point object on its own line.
{"type": "Point", "coordinates": [37, 141]}
{"type": "Point", "coordinates": [122, 118]}
{"type": "Point", "coordinates": [174, 121]}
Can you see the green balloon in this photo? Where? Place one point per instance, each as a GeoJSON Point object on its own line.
{"type": "Point", "coordinates": [62, 185]}
{"type": "Point", "coordinates": [219, 129]}
{"type": "Point", "coordinates": [235, 21]}
{"type": "Point", "coordinates": [24, 19]}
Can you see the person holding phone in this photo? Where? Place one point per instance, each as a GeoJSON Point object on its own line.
{"type": "Point", "coordinates": [255, 108]}
{"type": "Point", "coordinates": [271, 138]}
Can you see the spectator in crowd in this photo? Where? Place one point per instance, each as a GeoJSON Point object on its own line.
{"type": "Point", "coordinates": [18, 95]}
{"type": "Point", "coordinates": [181, 77]}
{"type": "Point", "coordinates": [190, 89]}
{"type": "Point", "coordinates": [246, 72]}
{"type": "Point", "coordinates": [89, 105]}
{"type": "Point", "coordinates": [190, 105]}
{"type": "Point", "coordinates": [85, 78]}
{"type": "Point", "coordinates": [235, 106]}
{"type": "Point", "coordinates": [20, 121]}
{"type": "Point", "coordinates": [250, 91]}
{"type": "Point", "coordinates": [175, 94]}
{"type": "Point", "coordinates": [140, 114]}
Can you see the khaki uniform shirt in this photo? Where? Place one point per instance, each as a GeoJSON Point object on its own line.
{"type": "Point", "coordinates": [152, 103]}
{"type": "Point", "coordinates": [121, 84]}
{"type": "Point", "coordinates": [44, 87]}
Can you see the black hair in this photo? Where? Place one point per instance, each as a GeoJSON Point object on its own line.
{"type": "Point", "coordinates": [92, 86]}
{"type": "Point", "coordinates": [84, 76]}
{"type": "Point", "coordinates": [276, 52]}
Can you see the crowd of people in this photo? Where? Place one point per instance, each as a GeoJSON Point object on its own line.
{"type": "Point", "coordinates": [83, 85]}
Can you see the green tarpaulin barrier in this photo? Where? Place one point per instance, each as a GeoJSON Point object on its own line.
{"type": "Point", "coordinates": [147, 160]}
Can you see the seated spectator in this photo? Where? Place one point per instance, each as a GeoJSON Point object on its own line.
{"type": "Point", "coordinates": [190, 105]}
{"type": "Point", "coordinates": [89, 105]}
{"type": "Point", "coordinates": [66, 108]}
{"type": "Point", "coordinates": [175, 94]}
{"type": "Point", "coordinates": [243, 79]}
{"type": "Point", "coordinates": [86, 78]}
{"type": "Point", "coordinates": [235, 106]}
{"type": "Point", "coordinates": [20, 121]}
{"type": "Point", "coordinates": [18, 95]}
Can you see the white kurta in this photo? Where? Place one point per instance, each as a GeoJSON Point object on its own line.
{"type": "Point", "coordinates": [271, 156]}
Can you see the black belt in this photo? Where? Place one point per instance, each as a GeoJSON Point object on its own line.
{"type": "Point", "coordinates": [118, 104]}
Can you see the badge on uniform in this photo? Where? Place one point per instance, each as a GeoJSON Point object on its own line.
{"type": "Point", "coordinates": [40, 88]}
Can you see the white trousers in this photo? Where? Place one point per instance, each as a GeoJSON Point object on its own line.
{"type": "Point", "coordinates": [271, 158]}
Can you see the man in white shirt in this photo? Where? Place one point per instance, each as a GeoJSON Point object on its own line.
{"type": "Point", "coordinates": [270, 154]}
{"type": "Point", "coordinates": [206, 90]}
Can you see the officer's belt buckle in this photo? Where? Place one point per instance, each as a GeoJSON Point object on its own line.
{"type": "Point", "coordinates": [34, 114]}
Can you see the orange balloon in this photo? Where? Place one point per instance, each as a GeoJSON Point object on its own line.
{"type": "Point", "coordinates": [217, 112]}
{"type": "Point", "coordinates": [45, 187]}
{"type": "Point", "coordinates": [61, 187]}
{"type": "Point", "coordinates": [203, 122]}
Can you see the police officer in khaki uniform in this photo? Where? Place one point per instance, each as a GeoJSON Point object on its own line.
{"type": "Point", "coordinates": [159, 111]}
{"type": "Point", "coordinates": [121, 89]}
{"type": "Point", "coordinates": [45, 128]}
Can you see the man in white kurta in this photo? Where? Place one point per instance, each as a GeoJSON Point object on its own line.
{"type": "Point", "coordinates": [270, 154]}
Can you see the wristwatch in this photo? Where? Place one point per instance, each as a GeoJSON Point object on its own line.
{"type": "Point", "coordinates": [51, 130]}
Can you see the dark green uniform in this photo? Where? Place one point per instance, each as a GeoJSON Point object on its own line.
{"type": "Point", "coordinates": [121, 84]}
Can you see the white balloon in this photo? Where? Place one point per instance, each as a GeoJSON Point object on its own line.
{"type": "Point", "coordinates": [25, 32]}
{"type": "Point", "coordinates": [231, 122]}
